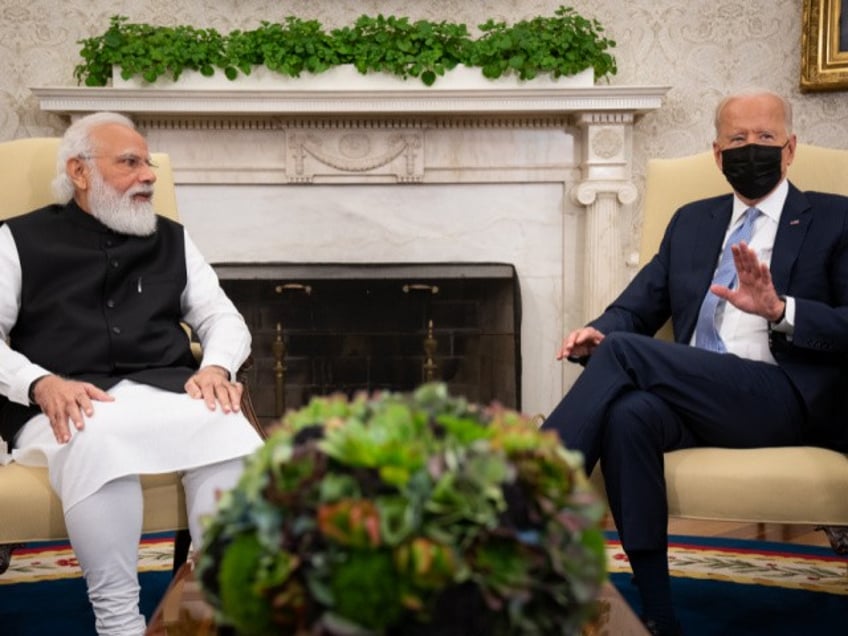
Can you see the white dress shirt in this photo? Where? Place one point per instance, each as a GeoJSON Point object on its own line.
{"type": "Point", "coordinates": [744, 334]}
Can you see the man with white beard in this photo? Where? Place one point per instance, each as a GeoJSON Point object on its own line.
{"type": "Point", "coordinates": [97, 381]}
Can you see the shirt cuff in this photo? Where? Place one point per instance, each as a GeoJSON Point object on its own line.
{"type": "Point", "coordinates": [19, 392]}
{"type": "Point", "coordinates": [219, 360]}
{"type": "Point", "coordinates": [787, 325]}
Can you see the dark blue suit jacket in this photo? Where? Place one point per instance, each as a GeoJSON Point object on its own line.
{"type": "Point", "coordinates": [809, 262]}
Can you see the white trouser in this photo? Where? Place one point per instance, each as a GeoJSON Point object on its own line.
{"type": "Point", "coordinates": [105, 530]}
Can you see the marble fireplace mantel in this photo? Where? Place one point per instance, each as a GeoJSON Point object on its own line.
{"type": "Point", "coordinates": [607, 99]}
{"type": "Point", "coordinates": [536, 177]}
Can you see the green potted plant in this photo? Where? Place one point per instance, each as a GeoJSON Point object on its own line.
{"type": "Point", "coordinates": [289, 48]}
{"type": "Point", "coordinates": [562, 44]}
{"type": "Point", "coordinates": [150, 51]}
{"type": "Point", "coordinates": [406, 514]}
{"type": "Point", "coordinates": [407, 49]}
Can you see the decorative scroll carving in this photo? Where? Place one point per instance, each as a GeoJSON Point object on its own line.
{"type": "Point", "coordinates": [379, 153]}
{"type": "Point", "coordinates": [586, 193]}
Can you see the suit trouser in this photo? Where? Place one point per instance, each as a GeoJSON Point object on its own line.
{"type": "Point", "coordinates": [639, 397]}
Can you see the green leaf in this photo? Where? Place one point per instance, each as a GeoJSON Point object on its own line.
{"type": "Point", "coordinates": [385, 44]}
{"type": "Point", "coordinates": [249, 612]}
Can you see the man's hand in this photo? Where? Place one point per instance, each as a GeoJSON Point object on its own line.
{"type": "Point", "coordinates": [65, 402]}
{"type": "Point", "coordinates": [212, 385]}
{"type": "Point", "coordinates": [580, 343]}
{"type": "Point", "coordinates": [755, 292]}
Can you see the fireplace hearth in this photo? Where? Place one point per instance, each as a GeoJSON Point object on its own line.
{"type": "Point", "coordinates": [325, 328]}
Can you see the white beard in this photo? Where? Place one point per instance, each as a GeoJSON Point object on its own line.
{"type": "Point", "coordinates": [119, 212]}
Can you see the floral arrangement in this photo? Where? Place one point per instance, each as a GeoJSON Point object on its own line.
{"type": "Point", "coordinates": [406, 514]}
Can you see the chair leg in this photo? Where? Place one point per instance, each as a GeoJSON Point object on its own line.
{"type": "Point", "coordinates": [6, 554]}
{"type": "Point", "coordinates": [182, 542]}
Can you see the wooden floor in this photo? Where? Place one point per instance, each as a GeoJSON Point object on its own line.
{"type": "Point", "coordinates": [789, 533]}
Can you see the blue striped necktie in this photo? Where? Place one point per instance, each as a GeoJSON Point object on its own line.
{"type": "Point", "coordinates": [706, 333]}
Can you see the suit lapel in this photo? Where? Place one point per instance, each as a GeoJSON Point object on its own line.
{"type": "Point", "coordinates": [706, 234]}
{"type": "Point", "coordinates": [791, 230]}
{"type": "Point", "coordinates": [708, 239]}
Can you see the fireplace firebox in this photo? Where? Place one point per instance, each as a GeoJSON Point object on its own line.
{"type": "Point", "coordinates": [324, 328]}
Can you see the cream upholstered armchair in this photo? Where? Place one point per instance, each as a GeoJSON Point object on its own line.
{"type": "Point", "coordinates": [30, 509]}
{"type": "Point", "coordinates": [803, 485]}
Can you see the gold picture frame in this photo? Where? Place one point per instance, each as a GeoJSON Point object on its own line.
{"type": "Point", "coordinates": [824, 45]}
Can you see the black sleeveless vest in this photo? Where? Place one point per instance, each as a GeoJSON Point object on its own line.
{"type": "Point", "coordinates": [98, 306]}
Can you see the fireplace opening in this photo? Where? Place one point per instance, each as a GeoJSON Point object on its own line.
{"type": "Point", "coordinates": [325, 328]}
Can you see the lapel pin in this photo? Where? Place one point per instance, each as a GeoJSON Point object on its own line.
{"type": "Point", "coordinates": [794, 221]}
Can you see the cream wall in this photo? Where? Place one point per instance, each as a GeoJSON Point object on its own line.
{"type": "Point", "coordinates": [700, 48]}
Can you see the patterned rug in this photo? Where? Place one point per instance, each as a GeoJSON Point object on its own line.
{"type": "Point", "coordinates": [720, 586]}
{"type": "Point", "coordinates": [52, 561]}
{"type": "Point", "coordinates": [729, 587]}
{"type": "Point", "coordinates": [43, 594]}
{"type": "Point", "coordinates": [748, 563]}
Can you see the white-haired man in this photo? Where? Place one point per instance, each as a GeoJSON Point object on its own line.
{"type": "Point", "coordinates": [100, 383]}
{"type": "Point", "coordinates": [756, 286]}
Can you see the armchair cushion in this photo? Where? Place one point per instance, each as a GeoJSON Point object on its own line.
{"type": "Point", "coordinates": [31, 511]}
{"type": "Point", "coordinates": [779, 485]}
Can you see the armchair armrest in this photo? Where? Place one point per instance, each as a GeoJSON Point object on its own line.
{"type": "Point", "coordinates": [241, 375]}
{"type": "Point", "coordinates": [246, 401]}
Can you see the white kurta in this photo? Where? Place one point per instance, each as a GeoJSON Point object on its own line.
{"type": "Point", "coordinates": [145, 430]}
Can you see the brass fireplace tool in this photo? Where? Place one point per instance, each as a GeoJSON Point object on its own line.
{"type": "Point", "coordinates": [278, 348]}
{"type": "Point", "coordinates": [429, 368]}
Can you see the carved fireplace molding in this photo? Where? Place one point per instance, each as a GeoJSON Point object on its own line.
{"type": "Point", "coordinates": [578, 138]}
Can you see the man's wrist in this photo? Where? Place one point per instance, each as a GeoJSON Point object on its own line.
{"type": "Point", "coordinates": [31, 391]}
{"type": "Point", "coordinates": [782, 315]}
{"type": "Point", "coordinates": [217, 367]}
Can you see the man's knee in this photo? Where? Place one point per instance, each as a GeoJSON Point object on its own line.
{"type": "Point", "coordinates": [645, 362]}
{"type": "Point", "coordinates": [619, 342]}
{"type": "Point", "coordinates": [621, 348]}
{"type": "Point", "coordinates": [636, 416]}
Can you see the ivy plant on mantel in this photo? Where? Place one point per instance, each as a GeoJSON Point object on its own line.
{"type": "Point", "coordinates": [563, 44]}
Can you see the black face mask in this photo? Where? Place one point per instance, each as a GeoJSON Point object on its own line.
{"type": "Point", "coordinates": [753, 170]}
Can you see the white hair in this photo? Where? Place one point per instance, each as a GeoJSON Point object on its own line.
{"type": "Point", "coordinates": [76, 142]}
{"type": "Point", "coordinates": [755, 92]}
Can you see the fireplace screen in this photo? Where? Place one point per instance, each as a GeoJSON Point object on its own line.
{"type": "Point", "coordinates": [324, 328]}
